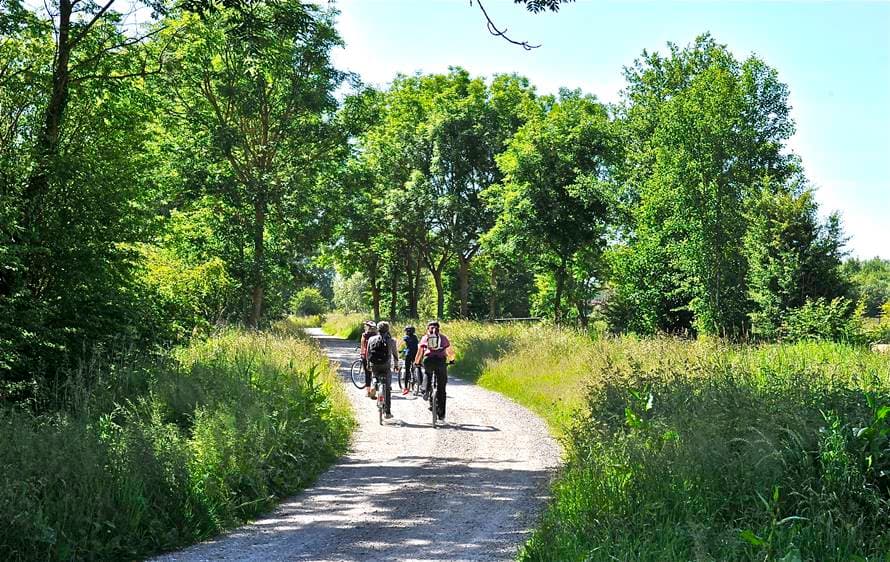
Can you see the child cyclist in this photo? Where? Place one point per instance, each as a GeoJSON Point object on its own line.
{"type": "Point", "coordinates": [409, 351]}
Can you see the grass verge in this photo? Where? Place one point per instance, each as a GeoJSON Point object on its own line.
{"type": "Point", "coordinates": [347, 326]}
{"type": "Point", "coordinates": [151, 455]}
{"type": "Point", "coordinates": [680, 450]}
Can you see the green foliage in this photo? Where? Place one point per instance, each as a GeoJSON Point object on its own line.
{"type": "Point", "coordinates": [701, 128]}
{"type": "Point", "coordinates": [869, 282]}
{"type": "Point", "coordinates": [308, 302]}
{"type": "Point", "coordinates": [153, 455]}
{"type": "Point", "coordinates": [188, 297]}
{"type": "Point", "coordinates": [791, 256]}
{"type": "Point", "coordinates": [817, 319]}
{"type": "Point", "coordinates": [556, 199]}
{"type": "Point", "coordinates": [349, 293]}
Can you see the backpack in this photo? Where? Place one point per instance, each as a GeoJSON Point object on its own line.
{"type": "Point", "coordinates": [378, 350]}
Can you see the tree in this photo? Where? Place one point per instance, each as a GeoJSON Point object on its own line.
{"type": "Point", "coordinates": [255, 84]}
{"type": "Point", "coordinates": [792, 257]}
{"type": "Point", "coordinates": [75, 192]}
{"type": "Point", "coordinates": [869, 282]}
{"type": "Point", "coordinates": [701, 131]}
{"type": "Point", "coordinates": [556, 195]}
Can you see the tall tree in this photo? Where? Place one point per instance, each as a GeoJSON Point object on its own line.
{"type": "Point", "coordinates": [256, 83]}
{"type": "Point", "coordinates": [701, 130]}
{"type": "Point", "coordinates": [556, 197]}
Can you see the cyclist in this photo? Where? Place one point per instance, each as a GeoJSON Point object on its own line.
{"type": "Point", "coordinates": [370, 329]}
{"type": "Point", "coordinates": [410, 343]}
{"type": "Point", "coordinates": [434, 352]}
{"type": "Point", "coordinates": [383, 356]}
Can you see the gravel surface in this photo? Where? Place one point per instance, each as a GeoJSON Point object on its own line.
{"type": "Point", "coordinates": [469, 490]}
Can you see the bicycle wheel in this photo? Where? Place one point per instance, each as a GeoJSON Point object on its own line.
{"type": "Point", "coordinates": [433, 404]}
{"type": "Point", "coordinates": [358, 374]}
{"type": "Point", "coordinates": [381, 401]}
{"type": "Point", "coordinates": [403, 377]}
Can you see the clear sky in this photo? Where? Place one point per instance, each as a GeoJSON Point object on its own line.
{"type": "Point", "coordinates": [835, 57]}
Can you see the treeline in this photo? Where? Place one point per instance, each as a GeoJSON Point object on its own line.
{"type": "Point", "coordinates": [679, 209]}
{"type": "Point", "coordinates": [158, 180]}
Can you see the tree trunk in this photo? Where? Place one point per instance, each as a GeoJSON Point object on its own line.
{"type": "Point", "coordinates": [47, 148]}
{"type": "Point", "coordinates": [463, 275]}
{"type": "Point", "coordinates": [46, 153]}
{"type": "Point", "coordinates": [373, 273]}
{"type": "Point", "coordinates": [557, 298]}
{"type": "Point", "coordinates": [415, 295]}
{"type": "Point", "coordinates": [393, 292]}
{"type": "Point", "coordinates": [493, 293]}
{"type": "Point", "coordinates": [375, 300]}
{"type": "Point", "coordinates": [259, 227]}
{"type": "Point", "coordinates": [440, 293]}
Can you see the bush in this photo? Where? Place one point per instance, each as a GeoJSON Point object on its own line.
{"type": "Point", "coordinates": [156, 455]}
{"type": "Point", "coordinates": [820, 319]}
{"type": "Point", "coordinates": [308, 302]}
{"type": "Point", "coordinates": [187, 296]}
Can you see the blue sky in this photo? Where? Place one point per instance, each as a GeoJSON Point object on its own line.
{"type": "Point", "coordinates": [835, 57]}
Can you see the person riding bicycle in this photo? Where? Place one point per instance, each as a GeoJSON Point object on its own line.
{"type": "Point", "coordinates": [411, 344]}
{"type": "Point", "coordinates": [383, 357]}
{"type": "Point", "coordinates": [370, 329]}
{"type": "Point", "coordinates": [435, 353]}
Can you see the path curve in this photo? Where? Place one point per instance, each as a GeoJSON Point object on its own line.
{"type": "Point", "coordinates": [471, 490]}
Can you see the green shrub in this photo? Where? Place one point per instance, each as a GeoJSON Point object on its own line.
{"type": "Point", "coordinates": [308, 302]}
{"type": "Point", "coordinates": [157, 455]}
{"type": "Point", "coordinates": [821, 320]}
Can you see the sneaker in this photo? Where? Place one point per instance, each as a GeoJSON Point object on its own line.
{"type": "Point", "coordinates": [441, 418]}
{"type": "Point", "coordinates": [387, 416]}
{"type": "Point", "coordinates": [426, 395]}
{"type": "Point", "coordinates": [405, 392]}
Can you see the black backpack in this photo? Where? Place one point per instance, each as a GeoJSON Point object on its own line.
{"type": "Point", "coordinates": [378, 349]}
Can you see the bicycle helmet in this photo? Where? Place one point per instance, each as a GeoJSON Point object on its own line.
{"type": "Point", "coordinates": [409, 330]}
{"type": "Point", "coordinates": [433, 323]}
{"type": "Point", "coordinates": [372, 326]}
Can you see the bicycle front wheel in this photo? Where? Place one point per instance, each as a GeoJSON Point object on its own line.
{"type": "Point", "coordinates": [404, 381]}
{"type": "Point", "coordinates": [433, 405]}
{"type": "Point", "coordinates": [358, 374]}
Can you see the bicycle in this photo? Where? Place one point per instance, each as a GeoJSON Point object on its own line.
{"type": "Point", "coordinates": [410, 377]}
{"type": "Point", "coordinates": [381, 395]}
{"type": "Point", "coordinates": [357, 373]}
{"type": "Point", "coordinates": [433, 390]}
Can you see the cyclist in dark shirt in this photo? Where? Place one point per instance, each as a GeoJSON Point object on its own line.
{"type": "Point", "coordinates": [410, 343]}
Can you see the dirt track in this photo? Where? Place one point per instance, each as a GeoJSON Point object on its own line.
{"type": "Point", "coordinates": [470, 490]}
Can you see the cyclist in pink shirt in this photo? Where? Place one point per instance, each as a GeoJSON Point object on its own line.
{"type": "Point", "coordinates": [434, 353]}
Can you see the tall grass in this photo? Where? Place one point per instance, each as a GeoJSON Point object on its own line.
{"type": "Point", "coordinates": [699, 450]}
{"type": "Point", "coordinates": [163, 453]}
{"type": "Point", "coordinates": [347, 326]}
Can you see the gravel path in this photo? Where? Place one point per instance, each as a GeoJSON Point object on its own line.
{"type": "Point", "coordinates": [469, 490]}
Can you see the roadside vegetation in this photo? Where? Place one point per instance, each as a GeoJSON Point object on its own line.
{"type": "Point", "coordinates": [702, 345]}
{"type": "Point", "coordinates": [146, 454]}
{"type": "Point", "coordinates": [682, 450]}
